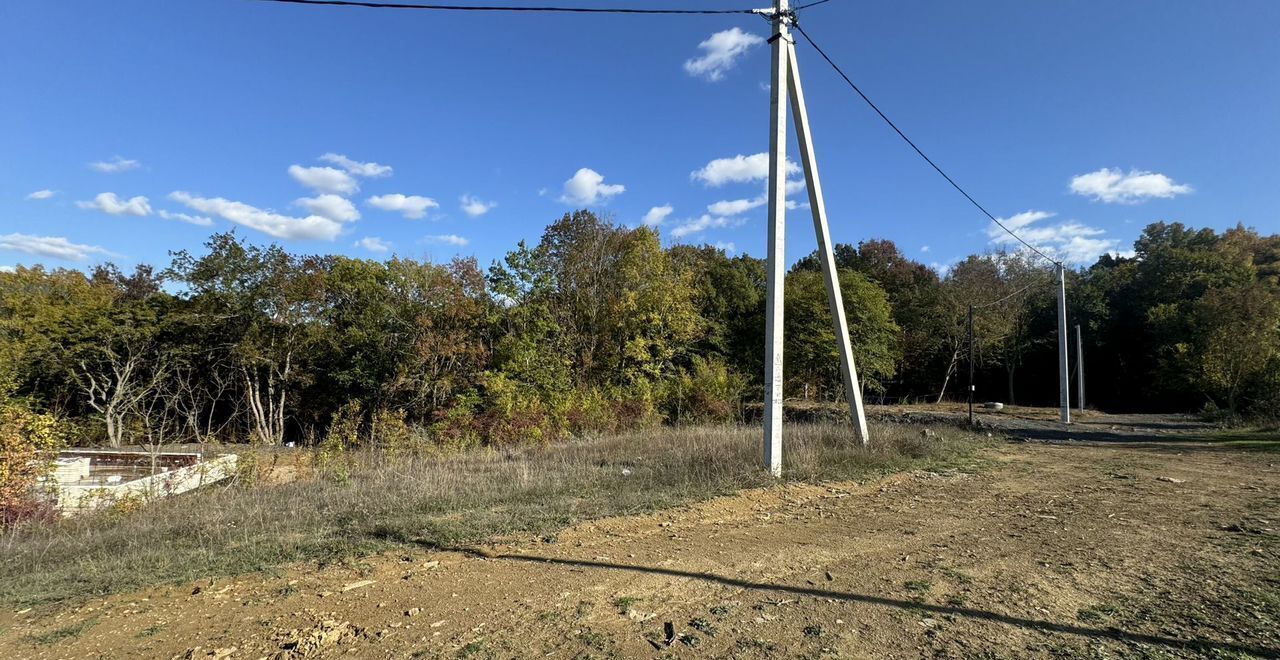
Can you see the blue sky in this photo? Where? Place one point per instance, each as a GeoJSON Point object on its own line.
{"type": "Point", "coordinates": [131, 128]}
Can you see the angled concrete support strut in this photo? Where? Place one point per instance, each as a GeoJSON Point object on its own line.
{"type": "Point", "coordinates": [1079, 370]}
{"type": "Point", "coordinates": [1064, 373]}
{"type": "Point", "coordinates": [852, 390]}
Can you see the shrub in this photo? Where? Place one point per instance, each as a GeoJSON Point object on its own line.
{"type": "Point", "coordinates": [28, 446]}
{"type": "Point", "coordinates": [458, 426]}
{"type": "Point", "coordinates": [515, 412]}
{"type": "Point", "coordinates": [635, 411]}
{"type": "Point", "coordinates": [588, 412]}
{"type": "Point", "coordinates": [709, 392]}
{"type": "Point", "coordinates": [389, 432]}
{"type": "Point", "coordinates": [333, 455]}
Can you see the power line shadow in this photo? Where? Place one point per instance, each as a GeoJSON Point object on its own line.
{"type": "Point", "coordinates": [1197, 645]}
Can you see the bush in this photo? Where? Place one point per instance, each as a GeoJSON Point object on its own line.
{"type": "Point", "coordinates": [589, 411]}
{"type": "Point", "coordinates": [391, 434]}
{"type": "Point", "coordinates": [514, 412]}
{"type": "Point", "coordinates": [458, 426]}
{"type": "Point", "coordinates": [333, 455]}
{"type": "Point", "coordinates": [709, 392]}
{"type": "Point", "coordinates": [28, 446]}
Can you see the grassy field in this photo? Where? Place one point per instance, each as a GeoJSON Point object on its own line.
{"type": "Point", "coordinates": [372, 502]}
{"type": "Point", "coordinates": [1264, 440]}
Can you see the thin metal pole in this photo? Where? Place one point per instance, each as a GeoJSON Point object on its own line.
{"type": "Point", "coordinates": [970, 365]}
{"type": "Point", "coordinates": [777, 239]}
{"type": "Point", "coordinates": [1079, 370]}
{"type": "Point", "coordinates": [818, 207]}
{"type": "Point", "coordinates": [1064, 374]}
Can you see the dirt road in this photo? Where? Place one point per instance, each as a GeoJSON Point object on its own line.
{"type": "Point", "coordinates": [1043, 551]}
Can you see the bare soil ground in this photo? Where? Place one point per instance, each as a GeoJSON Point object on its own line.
{"type": "Point", "coordinates": [1163, 548]}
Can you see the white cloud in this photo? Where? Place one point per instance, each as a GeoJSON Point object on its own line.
{"type": "Point", "coordinates": [447, 239]}
{"type": "Point", "coordinates": [924, 248]}
{"type": "Point", "coordinates": [739, 169]}
{"type": "Point", "coordinates": [7, 269]}
{"type": "Point", "coordinates": [729, 207]}
{"type": "Point", "coordinates": [410, 206]}
{"type": "Point", "coordinates": [324, 179]}
{"type": "Point", "coordinates": [1114, 186]}
{"type": "Point", "coordinates": [332, 207]}
{"type": "Point", "coordinates": [656, 215]}
{"type": "Point", "coordinates": [109, 203]}
{"type": "Point", "coordinates": [198, 220]}
{"type": "Point", "coordinates": [41, 194]}
{"type": "Point", "coordinates": [369, 170]}
{"type": "Point", "coordinates": [53, 247]}
{"type": "Point", "coordinates": [726, 247]}
{"type": "Point", "coordinates": [699, 224]}
{"type": "Point", "coordinates": [1016, 223]}
{"type": "Point", "coordinates": [720, 52]}
{"type": "Point", "coordinates": [942, 269]}
{"type": "Point", "coordinates": [1070, 241]}
{"type": "Point", "coordinates": [373, 244]}
{"type": "Point", "coordinates": [736, 206]}
{"type": "Point", "coordinates": [475, 207]}
{"type": "Point", "coordinates": [587, 186]}
{"type": "Point", "coordinates": [116, 164]}
{"type": "Point", "coordinates": [267, 222]}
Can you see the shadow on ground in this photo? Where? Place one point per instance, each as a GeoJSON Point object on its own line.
{"type": "Point", "coordinates": [1196, 645]}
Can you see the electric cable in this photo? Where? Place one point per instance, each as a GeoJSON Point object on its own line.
{"type": "Point", "coordinates": [997, 302]}
{"type": "Point", "coordinates": [624, 10]}
{"type": "Point", "coordinates": [497, 8]}
{"type": "Point", "coordinates": [918, 150]}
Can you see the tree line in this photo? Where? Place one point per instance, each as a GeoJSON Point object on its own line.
{"type": "Point", "coordinates": [598, 327]}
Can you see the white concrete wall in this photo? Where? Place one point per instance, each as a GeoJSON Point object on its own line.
{"type": "Point", "coordinates": [74, 498]}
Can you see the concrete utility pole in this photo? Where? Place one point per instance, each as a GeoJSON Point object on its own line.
{"type": "Point", "coordinates": [1064, 373]}
{"type": "Point", "coordinates": [785, 82]}
{"type": "Point", "coordinates": [970, 365]}
{"type": "Point", "coordinates": [777, 242]}
{"type": "Point", "coordinates": [1079, 370]}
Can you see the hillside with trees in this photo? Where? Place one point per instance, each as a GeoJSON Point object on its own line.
{"type": "Point", "coordinates": [598, 327]}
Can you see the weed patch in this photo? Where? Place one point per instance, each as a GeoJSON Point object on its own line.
{"type": "Point", "coordinates": [1097, 613]}
{"type": "Point", "coordinates": [66, 632]}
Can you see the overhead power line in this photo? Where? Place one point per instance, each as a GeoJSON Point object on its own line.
{"type": "Point", "coordinates": [918, 150]}
{"type": "Point", "coordinates": [634, 11]}
{"type": "Point", "coordinates": [997, 302]}
{"type": "Point", "coordinates": [500, 8]}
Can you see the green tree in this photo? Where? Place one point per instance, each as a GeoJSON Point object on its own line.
{"type": "Point", "coordinates": [607, 296]}
{"type": "Point", "coordinates": [914, 294]}
{"type": "Point", "coordinates": [812, 355]}
{"type": "Point", "coordinates": [1236, 342]}
{"type": "Point", "coordinates": [729, 294]}
{"type": "Point", "coordinates": [265, 303]}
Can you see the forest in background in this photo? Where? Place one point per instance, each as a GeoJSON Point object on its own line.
{"type": "Point", "coordinates": [598, 328]}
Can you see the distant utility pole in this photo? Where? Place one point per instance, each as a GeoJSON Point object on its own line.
{"type": "Point", "coordinates": [970, 365]}
{"type": "Point", "coordinates": [784, 81]}
{"type": "Point", "coordinates": [1079, 370]}
{"type": "Point", "coordinates": [1064, 373]}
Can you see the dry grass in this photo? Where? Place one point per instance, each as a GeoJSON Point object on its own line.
{"type": "Point", "coordinates": [433, 500]}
